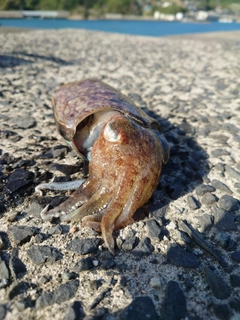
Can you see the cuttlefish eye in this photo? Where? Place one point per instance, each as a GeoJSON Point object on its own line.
{"type": "Point", "coordinates": [111, 133]}
{"type": "Point", "coordinates": [116, 131]}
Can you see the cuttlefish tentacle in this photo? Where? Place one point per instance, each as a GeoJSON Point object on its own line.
{"type": "Point", "coordinates": [95, 204]}
{"type": "Point", "coordinates": [79, 197]}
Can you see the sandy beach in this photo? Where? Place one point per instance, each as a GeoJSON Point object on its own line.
{"type": "Point", "coordinates": [180, 258]}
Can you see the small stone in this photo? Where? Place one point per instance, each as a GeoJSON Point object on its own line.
{"type": "Point", "coordinates": [178, 256]}
{"type": "Point", "coordinates": [55, 230]}
{"type": "Point", "coordinates": [221, 186]}
{"type": "Point", "coordinates": [203, 188]}
{"type": "Point", "coordinates": [24, 122]}
{"type": "Point", "coordinates": [155, 283]}
{"type": "Point", "coordinates": [222, 239]}
{"type": "Point", "coordinates": [59, 152]}
{"type": "Point", "coordinates": [12, 215]}
{"type": "Point", "coordinates": [153, 229]}
{"type": "Point", "coordinates": [129, 243]}
{"type": "Point", "coordinates": [220, 152]}
{"type": "Point", "coordinates": [232, 173]}
{"type": "Point", "coordinates": [65, 168]}
{"type": "Point", "coordinates": [209, 199]}
{"type": "Point", "coordinates": [4, 274]}
{"type": "Point", "coordinates": [218, 286]}
{"type": "Point", "coordinates": [108, 264]}
{"type": "Point", "coordinates": [2, 312]}
{"type": "Point", "coordinates": [83, 264]}
{"type": "Point", "coordinates": [84, 246]}
{"type": "Point", "coordinates": [186, 127]}
{"type": "Point", "coordinates": [16, 266]}
{"type": "Point", "coordinates": [174, 304]}
{"type": "Point", "coordinates": [69, 275]}
{"type": "Point", "coordinates": [235, 304]}
{"type": "Point", "coordinates": [205, 221]}
{"type": "Point", "coordinates": [224, 220]}
{"type": "Point", "coordinates": [235, 280]}
{"type": "Point", "coordinates": [22, 234]}
{"type": "Point", "coordinates": [17, 288]}
{"type": "Point", "coordinates": [222, 311]}
{"type": "Point", "coordinates": [143, 248]}
{"type": "Point", "coordinates": [43, 254]}
{"type": "Point", "coordinates": [14, 186]}
{"type": "Point", "coordinates": [157, 210]}
{"type": "Point", "coordinates": [45, 279]}
{"type": "Point", "coordinates": [228, 203]}
{"type": "Point", "coordinates": [236, 256]}
{"type": "Point", "coordinates": [74, 311]}
{"type": "Point", "coordinates": [193, 203]}
{"type": "Point", "coordinates": [61, 294]}
{"type": "Point", "coordinates": [219, 167]}
{"type": "Point", "coordinates": [140, 308]}
{"type": "Point", "coordinates": [39, 238]}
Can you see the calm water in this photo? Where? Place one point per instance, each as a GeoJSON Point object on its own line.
{"type": "Point", "coordinates": [145, 28]}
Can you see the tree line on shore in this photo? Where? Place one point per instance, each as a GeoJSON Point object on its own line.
{"type": "Point", "coordinates": [75, 6]}
{"type": "Point", "coordinates": [99, 7]}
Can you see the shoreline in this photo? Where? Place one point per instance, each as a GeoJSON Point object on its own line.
{"type": "Point", "coordinates": [230, 37]}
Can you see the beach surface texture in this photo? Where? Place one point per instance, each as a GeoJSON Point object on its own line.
{"type": "Point", "coordinates": [180, 259]}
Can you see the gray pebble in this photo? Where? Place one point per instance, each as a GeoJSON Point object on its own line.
{"type": "Point", "coordinates": [65, 168]}
{"type": "Point", "coordinates": [174, 304]}
{"type": "Point", "coordinates": [219, 167]}
{"type": "Point", "coordinates": [235, 280]}
{"type": "Point", "coordinates": [224, 220]}
{"type": "Point", "coordinates": [22, 234]}
{"type": "Point", "coordinates": [222, 239]}
{"type": "Point", "coordinates": [186, 127]}
{"type": "Point", "coordinates": [59, 152]}
{"type": "Point", "coordinates": [153, 229]}
{"type": "Point", "coordinates": [84, 246]}
{"type": "Point", "coordinates": [55, 230]}
{"type": "Point", "coordinates": [143, 248]}
{"type": "Point", "coordinates": [2, 312]}
{"type": "Point", "coordinates": [218, 286]}
{"type": "Point", "coordinates": [155, 283]}
{"type": "Point", "coordinates": [24, 122]}
{"type": "Point", "coordinates": [193, 203]}
{"type": "Point", "coordinates": [235, 304]}
{"type": "Point", "coordinates": [236, 256]}
{"type": "Point", "coordinates": [221, 186]}
{"type": "Point", "coordinates": [209, 199]}
{"type": "Point", "coordinates": [140, 308]}
{"type": "Point", "coordinates": [220, 152]}
{"type": "Point", "coordinates": [43, 254]}
{"type": "Point", "coordinates": [222, 311]}
{"type": "Point", "coordinates": [129, 243]}
{"type": "Point", "coordinates": [75, 311]}
{"type": "Point", "coordinates": [228, 203]}
{"type": "Point", "coordinates": [205, 221]}
{"type": "Point", "coordinates": [232, 172]}
{"type": "Point", "coordinates": [203, 188]}
{"type": "Point", "coordinates": [16, 266]}
{"type": "Point", "coordinates": [4, 274]}
{"type": "Point", "coordinates": [83, 264]}
{"type": "Point", "coordinates": [17, 288]}
{"type": "Point", "coordinates": [18, 179]}
{"type": "Point", "coordinates": [178, 256]}
{"type": "Point", "coordinates": [61, 294]}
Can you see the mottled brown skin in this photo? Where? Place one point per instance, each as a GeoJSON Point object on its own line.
{"type": "Point", "coordinates": [124, 170]}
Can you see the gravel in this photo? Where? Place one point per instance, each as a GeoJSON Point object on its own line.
{"type": "Point", "coordinates": [180, 257]}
